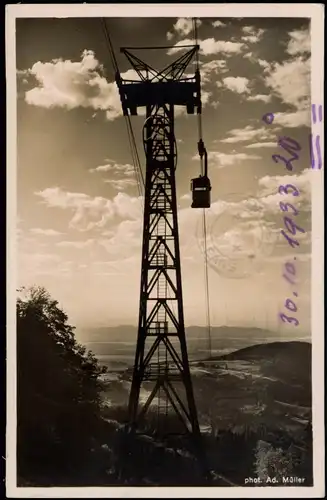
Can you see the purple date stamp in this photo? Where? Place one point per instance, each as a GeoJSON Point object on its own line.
{"type": "Point", "coordinates": [314, 140]}
{"type": "Point", "coordinates": [290, 230]}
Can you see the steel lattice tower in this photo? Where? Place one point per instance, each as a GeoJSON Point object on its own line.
{"type": "Point", "coordinates": [161, 359]}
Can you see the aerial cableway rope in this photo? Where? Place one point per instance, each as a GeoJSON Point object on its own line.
{"type": "Point", "coordinates": [131, 137]}
{"type": "Point", "coordinates": [204, 222]}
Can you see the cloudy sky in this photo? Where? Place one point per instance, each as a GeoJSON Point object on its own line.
{"type": "Point", "coordinates": [79, 210]}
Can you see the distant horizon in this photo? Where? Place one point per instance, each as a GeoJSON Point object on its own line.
{"type": "Point", "coordinates": [186, 326]}
{"type": "Point", "coordinates": [277, 333]}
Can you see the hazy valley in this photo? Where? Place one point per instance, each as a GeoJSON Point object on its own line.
{"type": "Point", "coordinates": [253, 392]}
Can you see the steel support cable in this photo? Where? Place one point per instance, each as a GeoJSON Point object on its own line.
{"type": "Point", "coordinates": [109, 45]}
{"type": "Point", "coordinates": [138, 162]}
{"type": "Point", "coordinates": [198, 69]}
{"type": "Point", "coordinates": [204, 222]}
{"type": "Point", "coordinates": [207, 297]}
{"type": "Point", "coordinates": [139, 179]}
{"type": "Point", "coordinates": [135, 157]}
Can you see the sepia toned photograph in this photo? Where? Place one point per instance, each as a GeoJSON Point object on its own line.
{"type": "Point", "coordinates": [164, 251]}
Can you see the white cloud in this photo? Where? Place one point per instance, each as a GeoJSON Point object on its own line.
{"type": "Point", "coordinates": [270, 182]}
{"type": "Point", "coordinates": [254, 217]}
{"type": "Point", "coordinates": [117, 168]}
{"type": "Point", "coordinates": [41, 258]}
{"type": "Point", "coordinates": [101, 168]}
{"type": "Point", "coordinates": [91, 212]}
{"type": "Point", "coordinates": [216, 66]}
{"type": "Point", "coordinates": [240, 230]}
{"type": "Point", "coordinates": [107, 268]}
{"type": "Point", "coordinates": [240, 213]}
{"type": "Point", "coordinates": [270, 196]}
{"type": "Point", "coordinates": [260, 97]}
{"type": "Point", "coordinates": [245, 223]}
{"type": "Point", "coordinates": [237, 84]}
{"type": "Point", "coordinates": [186, 196]}
{"type": "Point", "coordinates": [249, 30]}
{"type": "Point", "coordinates": [121, 184]}
{"type": "Point", "coordinates": [248, 133]}
{"type": "Point", "coordinates": [212, 46]}
{"type": "Point", "coordinates": [68, 84]}
{"type": "Point", "coordinates": [209, 46]}
{"type": "Point", "coordinates": [242, 239]}
{"type": "Point", "coordinates": [127, 207]}
{"type": "Point", "coordinates": [184, 25]}
{"type": "Point", "coordinates": [300, 118]}
{"type": "Point", "coordinates": [105, 264]}
{"type": "Point", "coordinates": [252, 34]}
{"type": "Point", "coordinates": [45, 232]}
{"type": "Point", "coordinates": [221, 160]}
{"type": "Point", "coordinates": [218, 24]}
{"type": "Point", "coordinates": [290, 81]}
{"type": "Point", "coordinates": [299, 43]}
{"type": "Point", "coordinates": [258, 145]}
{"type": "Point", "coordinates": [263, 63]}
{"type": "Point", "coordinates": [32, 264]}
{"type": "Point", "coordinates": [213, 65]}
{"type": "Point", "coordinates": [76, 244]}
{"type": "Point", "coordinates": [255, 59]}
{"type": "Point", "coordinates": [205, 96]}
{"type": "Point", "coordinates": [126, 239]}
{"type": "Point", "coordinates": [250, 39]}
{"type": "Point", "coordinates": [131, 74]}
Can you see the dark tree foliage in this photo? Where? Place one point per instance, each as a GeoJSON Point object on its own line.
{"type": "Point", "coordinates": [58, 394]}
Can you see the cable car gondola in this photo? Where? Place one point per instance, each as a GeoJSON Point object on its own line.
{"type": "Point", "coordinates": [201, 186]}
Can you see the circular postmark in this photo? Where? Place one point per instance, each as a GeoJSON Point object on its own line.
{"type": "Point", "coordinates": [237, 241]}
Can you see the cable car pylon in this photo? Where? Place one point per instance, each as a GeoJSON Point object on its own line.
{"type": "Point", "coordinates": [161, 357]}
{"type": "Point", "coordinates": [161, 351]}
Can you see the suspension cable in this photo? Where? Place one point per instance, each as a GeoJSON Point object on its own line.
{"type": "Point", "coordinates": [131, 137]}
{"type": "Point", "coordinates": [197, 65]}
{"type": "Point", "coordinates": [206, 278]}
{"type": "Point", "coordinates": [137, 171]}
{"type": "Point", "coordinates": [204, 223]}
{"type": "Point", "coordinates": [134, 146]}
{"type": "Point", "coordinates": [109, 45]}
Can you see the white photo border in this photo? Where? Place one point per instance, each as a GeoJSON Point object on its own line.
{"type": "Point", "coordinates": [314, 12]}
